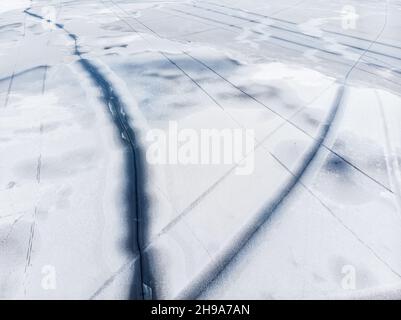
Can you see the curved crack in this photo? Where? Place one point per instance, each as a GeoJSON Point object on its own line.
{"type": "Point", "coordinates": [134, 198]}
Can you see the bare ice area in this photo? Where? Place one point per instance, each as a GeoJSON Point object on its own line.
{"type": "Point", "coordinates": [200, 149]}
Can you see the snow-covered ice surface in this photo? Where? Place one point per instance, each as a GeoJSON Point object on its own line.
{"type": "Point", "coordinates": [84, 215]}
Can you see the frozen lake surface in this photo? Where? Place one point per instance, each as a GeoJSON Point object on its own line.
{"type": "Point", "coordinates": [309, 204]}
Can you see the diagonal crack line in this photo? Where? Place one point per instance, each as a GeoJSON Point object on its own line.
{"type": "Point", "coordinates": [339, 220]}
{"type": "Point", "coordinates": [370, 44]}
{"type": "Point", "coordinates": [10, 84]}
{"type": "Point", "coordinates": [126, 266]}
{"type": "Point", "coordinates": [264, 16]}
{"type": "Point", "coordinates": [199, 285]}
{"type": "Point", "coordinates": [205, 193]}
{"type": "Point", "coordinates": [16, 74]}
{"type": "Point", "coordinates": [287, 121]}
{"type": "Point", "coordinates": [392, 165]}
{"type": "Point", "coordinates": [300, 33]}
